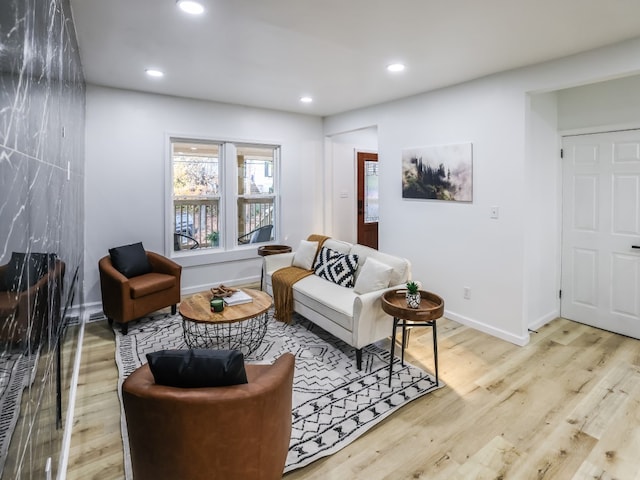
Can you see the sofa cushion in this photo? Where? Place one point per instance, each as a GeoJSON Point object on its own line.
{"type": "Point", "coordinates": [374, 276]}
{"type": "Point", "coordinates": [401, 266]}
{"type": "Point", "coordinates": [304, 255]}
{"type": "Point", "coordinates": [197, 368]}
{"type": "Point", "coordinates": [130, 260]}
{"type": "Point", "coordinates": [336, 267]}
{"type": "Point", "coordinates": [338, 245]}
{"type": "Point", "coordinates": [326, 298]}
{"type": "Point", "coordinates": [149, 283]}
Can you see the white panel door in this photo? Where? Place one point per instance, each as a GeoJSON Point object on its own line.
{"type": "Point", "coordinates": [601, 227]}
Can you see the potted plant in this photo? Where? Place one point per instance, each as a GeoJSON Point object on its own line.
{"type": "Point", "coordinates": [413, 295]}
{"type": "Point", "coordinates": [212, 238]}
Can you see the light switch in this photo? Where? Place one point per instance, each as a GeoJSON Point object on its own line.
{"type": "Point", "coordinates": [495, 212]}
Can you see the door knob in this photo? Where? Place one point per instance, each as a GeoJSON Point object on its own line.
{"type": "Point", "coordinates": [635, 246]}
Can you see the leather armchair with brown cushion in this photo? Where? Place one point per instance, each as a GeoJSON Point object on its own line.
{"type": "Point", "coordinates": [126, 299]}
{"type": "Point", "coordinates": [234, 432]}
{"type": "Point", "coordinates": [27, 311]}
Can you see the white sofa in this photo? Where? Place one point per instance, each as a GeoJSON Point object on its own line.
{"type": "Point", "coordinates": [356, 318]}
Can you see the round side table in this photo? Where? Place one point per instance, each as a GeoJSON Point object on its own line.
{"type": "Point", "coordinates": [431, 308]}
{"type": "Point", "coordinates": [266, 250]}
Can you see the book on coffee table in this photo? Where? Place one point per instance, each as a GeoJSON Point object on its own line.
{"type": "Point", "coordinates": [237, 298]}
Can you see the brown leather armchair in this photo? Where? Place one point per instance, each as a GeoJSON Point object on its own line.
{"type": "Point", "coordinates": [25, 314]}
{"type": "Point", "coordinates": [126, 299]}
{"type": "Point", "coordinates": [236, 432]}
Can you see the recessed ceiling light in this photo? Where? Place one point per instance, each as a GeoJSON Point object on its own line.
{"type": "Point", "coordinates": [154, 72]}
{"type": "Point", "coordinates": [306, 99]}
{"type": "Point", "coordinates": [395, 67]}
{"type": "Point", "coordinates": [191, 6]}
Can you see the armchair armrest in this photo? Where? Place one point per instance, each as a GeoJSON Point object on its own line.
{"type": "Point", "coordinates": [114, 287]}
{"type": "Point", "coordinates": [109, 272]}
{"type": "Point", "coordinates": [163, 264]}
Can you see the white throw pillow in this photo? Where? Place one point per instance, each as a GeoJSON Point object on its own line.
{"type": "Point", "coordinates": [305, 254]}
{"type": "Point", "coordinates": [374, 276]}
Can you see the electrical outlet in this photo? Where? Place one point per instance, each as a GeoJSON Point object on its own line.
{"type": "Point", "coordinates": [467, 293]}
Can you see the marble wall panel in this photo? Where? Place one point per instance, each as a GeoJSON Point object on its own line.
{"type": "Point", "coordinates": [42, 99]}
{"type": "Point", "coordinates": [14, 216]}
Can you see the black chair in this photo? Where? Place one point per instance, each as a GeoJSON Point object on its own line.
{"type": "Point", "coordinates": [259, 235]}
{"type": "Point", "coordinates": [182, 241]}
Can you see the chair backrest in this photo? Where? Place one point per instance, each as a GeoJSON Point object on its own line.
{"type": "Point", "coordinates": [240, 431]}
{"type": "Point", "coordinates": [262, 234]}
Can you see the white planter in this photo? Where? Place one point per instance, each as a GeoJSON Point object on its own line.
{"type": "Point", "coordinates": [413, 300]}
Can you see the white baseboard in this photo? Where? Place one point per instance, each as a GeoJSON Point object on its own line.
{"type": "Point", "coordinates": [230, 283]}
{"type": "Point", "coordinates": [493, 331]}
{"type": "Point", "coordinates": [92, 312]}
{"type": "Point", "coordinates": [543, 320]}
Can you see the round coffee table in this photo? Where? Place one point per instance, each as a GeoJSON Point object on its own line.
{"type": "Point", "coordinates": [431, 308]}
{"type": "Point", "coordinates": [238, 327]}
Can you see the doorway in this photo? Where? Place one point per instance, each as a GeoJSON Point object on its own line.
{"type": "Point", "coordinates": [368, 198]}
{"type": "Point", "coordinates": [601, 231]}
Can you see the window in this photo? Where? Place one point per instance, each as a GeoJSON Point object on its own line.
{"type": "Point", "coordinates": [256, 193]}
{"type": "Point", "coordinates": [215, 183]}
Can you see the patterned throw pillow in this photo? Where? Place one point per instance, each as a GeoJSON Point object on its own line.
{"type": "Point", "coordinates": [336, 267]}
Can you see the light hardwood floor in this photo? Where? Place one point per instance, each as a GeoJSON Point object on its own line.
{"type": "Point", "coordinates": [566, 406]}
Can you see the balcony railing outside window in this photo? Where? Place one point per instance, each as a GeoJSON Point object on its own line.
{"type": "Point", "coordinates": [253, 214]}
{"type": "Point", "coordinates": [197, 219]}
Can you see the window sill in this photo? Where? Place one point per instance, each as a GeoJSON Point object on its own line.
{"type": "Point", "coordinates": [192, 258]}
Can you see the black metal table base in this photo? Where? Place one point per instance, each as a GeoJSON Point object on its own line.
{"type": "Point", "coordinates": [245, 336]}
{"type": "Point", "coordinates": [404, 323]}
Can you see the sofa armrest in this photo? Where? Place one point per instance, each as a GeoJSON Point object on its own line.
{"type": "Point", "coordinates": [368, 304]}
{"type": "Point", "coordinates": [369, 319]}
{"type": "Point", "coordinates": [278, 261]}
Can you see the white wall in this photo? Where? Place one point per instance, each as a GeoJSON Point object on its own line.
{"type": "Point", "coordinates": [615, 103]}
{"type": "Point", "coordinates": [341, 192]}
{"type": "Point", "coordinates": [453, 245]}
{"type": "Point", "coordinates": [126, 159]}
{"type": "Point", "coordinates": [542, 224]}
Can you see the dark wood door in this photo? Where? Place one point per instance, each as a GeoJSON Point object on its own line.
{"type": "Point", "coordinates": [368, 199]}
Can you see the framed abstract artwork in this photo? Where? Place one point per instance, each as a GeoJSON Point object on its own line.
{"type": "Point", "coordinates": [440, 172]}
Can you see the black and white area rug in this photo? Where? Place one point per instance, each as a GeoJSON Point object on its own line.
{"type": "Point", "coordinates": [333, 402]}
{"type": "Point", "coordinates": [16, 373]}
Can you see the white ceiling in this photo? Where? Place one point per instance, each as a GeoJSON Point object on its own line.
{"type": "Point", "coordinates": [268, 53]}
